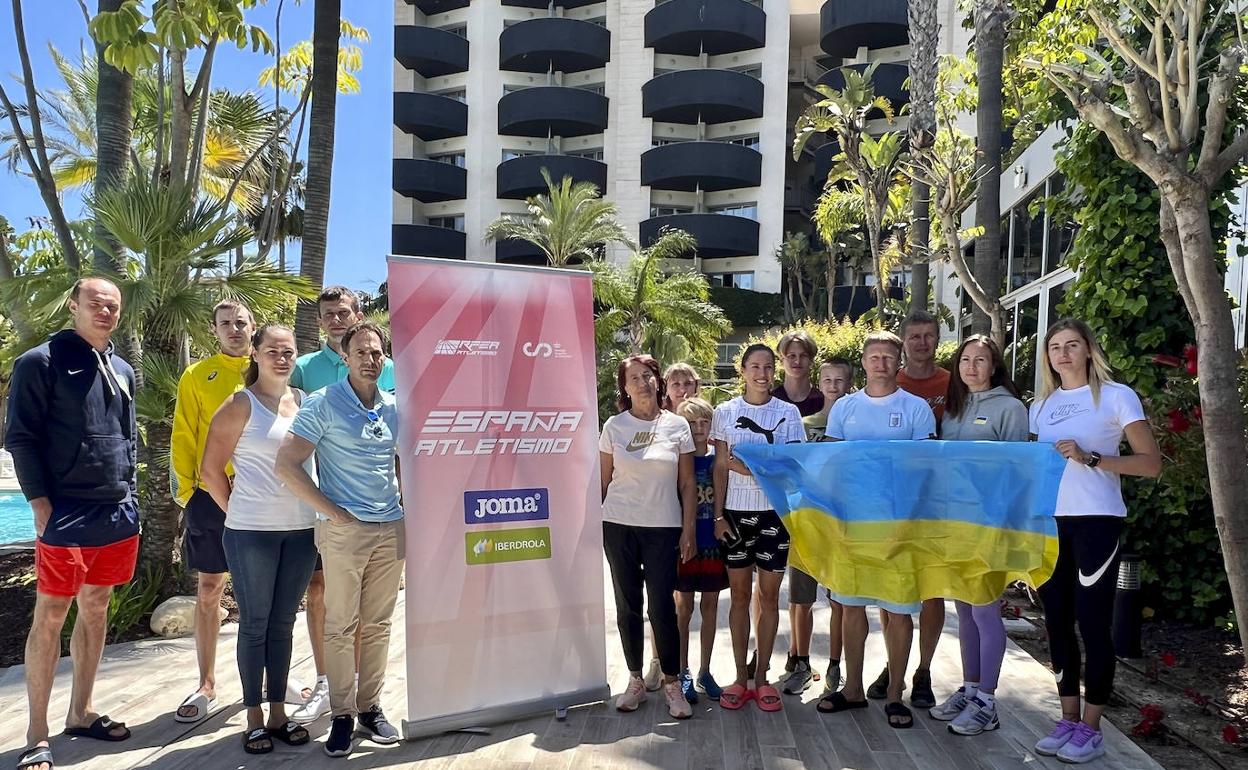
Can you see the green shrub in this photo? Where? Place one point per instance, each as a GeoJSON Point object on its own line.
{"type": "Point", "coordinates": [745, 308]}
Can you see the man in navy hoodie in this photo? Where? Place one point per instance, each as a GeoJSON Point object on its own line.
{"type": "Point", "coordinates": [71, 432]}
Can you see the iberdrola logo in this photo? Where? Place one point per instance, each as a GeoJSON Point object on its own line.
{"type": "Point", "coordinates": [483, 546]}
{"type": "Point", "coordinates": [502, 545]}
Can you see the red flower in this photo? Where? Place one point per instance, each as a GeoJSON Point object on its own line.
{"type": "Point", "coordinates": [1178, 421]}
{"type": "Point", "coordinates": [1152, 712]}
{"type": "Point", "coordinates": [1230, 734]}
{"type": "Point", "coordinates": [1189, 357]}
{"type": "Point", "coordinates": [1168, 659]}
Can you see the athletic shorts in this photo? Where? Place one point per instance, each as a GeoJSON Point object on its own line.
{"type": "Point", "coordinates": [763, 541]}
{"type": "Point", "coordinates": [63, 570]}
{"type": "Point", "coordinates": [803, 589]}
{"type": "Point", "coordinates": [205, 526]}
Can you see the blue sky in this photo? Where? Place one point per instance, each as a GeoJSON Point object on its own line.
{"type": "Point", "coordinates": [359, 217]}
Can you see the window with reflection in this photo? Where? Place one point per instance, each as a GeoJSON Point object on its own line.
{"type": "Point", "coordinates": [1027, 236]}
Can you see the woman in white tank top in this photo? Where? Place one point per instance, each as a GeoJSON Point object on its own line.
{"type": "Point", "coordinates": [269, 542]}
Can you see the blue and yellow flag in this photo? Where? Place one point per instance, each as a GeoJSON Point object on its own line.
{"type": "Point", "coordinates": [902, 521]}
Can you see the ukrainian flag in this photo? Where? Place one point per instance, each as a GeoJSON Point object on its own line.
{"type": "Point", "coordinates": [903, 521]}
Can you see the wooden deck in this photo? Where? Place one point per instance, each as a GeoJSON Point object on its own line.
{"type": "Point", "coordinates": [141, 683]}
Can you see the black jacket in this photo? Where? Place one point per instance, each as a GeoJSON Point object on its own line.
{"type": "Point", "coordinates": [71, 424]}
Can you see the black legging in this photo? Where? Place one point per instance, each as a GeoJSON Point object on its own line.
{"type": "Point", "coordinates": [1082, 590]}
{"type": "Point", "coordinates": [645, 556]}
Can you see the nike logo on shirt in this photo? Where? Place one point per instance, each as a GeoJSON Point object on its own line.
{"type": "Point", "coordinates": [1087, 581]}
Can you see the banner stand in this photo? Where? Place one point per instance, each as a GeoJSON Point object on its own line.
{"type": "Point", "coordinates": [511, 712]}
{"type": "Point", "coordinates": [496, 378]}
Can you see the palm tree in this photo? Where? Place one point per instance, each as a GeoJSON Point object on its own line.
{"type": "Point", "coordinates": [873, 164]}
{"type": "Point", "coordinates": [924, 31]}
{"type": "Point", "coordinates": [991, 19]}
{"type": "Point", "coordinates": [112, 130]}
{"type": "Point", "coordinates": [651, 310]}
{"type": "Point", "coordinates": [326, 27]}
{"type": "Point", "coordinates": [175, 250]}
{"type": "Point", "coordinates": [570, 223]}
{"type": "Point", "coordinates": [800, 265]}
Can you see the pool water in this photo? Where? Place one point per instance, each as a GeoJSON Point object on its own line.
{"type": "Point", "coordinates": [17, 523]}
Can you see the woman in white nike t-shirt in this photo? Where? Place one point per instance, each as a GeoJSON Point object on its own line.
{"type": "Point", "coordinates": [1085, 414]}
{"type": "Point", "coordinates": [646, 454]}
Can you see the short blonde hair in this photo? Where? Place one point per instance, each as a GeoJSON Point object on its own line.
{"type": "Point", "coordinates": [882, 337]}
{"type": "Point", "coordinates": [695, 409]}
{"type": "Point", "coordinates": [681, 368]}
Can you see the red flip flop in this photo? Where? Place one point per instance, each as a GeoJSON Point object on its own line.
{"type": "Point", "coordinates": [768, 698]}
{"type": "Point", "coordinates": [735, 696]}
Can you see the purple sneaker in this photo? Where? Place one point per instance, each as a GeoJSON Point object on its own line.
{"type": "Point", "coordinates": [1084, 746]}
{"type": "Point", "coordinates": [1052, 743]}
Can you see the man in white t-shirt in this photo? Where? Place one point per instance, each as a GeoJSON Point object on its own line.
{"type": "Point", "coordinates": [881, 411]}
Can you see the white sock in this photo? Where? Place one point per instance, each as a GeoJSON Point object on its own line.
{"type": "Point", "coordinates": [970, 689]}
{"type": "Point", "coordinates": [986, 699]}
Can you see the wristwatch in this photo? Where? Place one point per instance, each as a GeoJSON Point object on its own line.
{"type": "Point", "coordinates": [1094, 459]}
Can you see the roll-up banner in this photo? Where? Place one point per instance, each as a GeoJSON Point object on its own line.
{"type": "Point", "coordinates": [499, 454]}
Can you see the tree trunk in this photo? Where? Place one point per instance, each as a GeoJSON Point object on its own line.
{"type": "Point", "coordinates": [1222, 416]}
{"type": "Point", "coordinates": [325, 32]}
{"type": "Point", "coordinates": [924, 33]}
{"type": "Point", "coordinates": [179, 118]}
{"type": "Point", "coordinates": [877, 264]}
{"type": "Point", "coordinates": [991, 17]}
{"type": "Point", "coordinates": [112, 138]}
{"type": "Point", "coordinates": [160, 515]}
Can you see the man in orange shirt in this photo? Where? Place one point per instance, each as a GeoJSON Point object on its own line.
{"type": "Point", "coordinates": [920, 334]}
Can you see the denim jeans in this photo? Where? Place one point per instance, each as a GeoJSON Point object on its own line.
{"type": "Point", "coordinates": [270, 572]}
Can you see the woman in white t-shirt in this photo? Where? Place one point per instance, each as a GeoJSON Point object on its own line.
{"type": "Point", "coordinates": [755, 537]}
{"type": "Point", "coordinates": [268, 538]}
{"type": "Point", "coordinates": [646, 454]}
{"type": "Point", "coordinates": [1085, 414]}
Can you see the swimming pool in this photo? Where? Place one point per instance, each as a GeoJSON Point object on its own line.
{"type": "Point", "coordinates": [16, 521]}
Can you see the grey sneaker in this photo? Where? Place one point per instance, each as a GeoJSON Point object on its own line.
{"type": "Point", "coordinates": [800, 680]}
{"type": "Point", "coordinates": [976, 718]}
{"type": "Point", "coordinates": [654, 675]}
{"type": "Point", "coordinates": [951, 708]}
{"type": "Point", "coordinates": [831, 680]}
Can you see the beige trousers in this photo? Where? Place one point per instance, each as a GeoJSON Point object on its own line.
{"type": "Point", "coordinates": [363, 562]}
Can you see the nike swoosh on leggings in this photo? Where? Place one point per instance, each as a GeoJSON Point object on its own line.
{"type": "Point", "coordinates": [1087, 581]}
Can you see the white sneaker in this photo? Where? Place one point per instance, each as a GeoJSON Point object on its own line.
{"type": "Point", "coordinates": [677, 706]}
{"type": "Point", "coordinates": [633, 696]}
{"type": "Point", "coordinates": [953, 706]}
{"type": "Point", "coordinates": [654, 675]}
{"type": "Point", "coordinates": [316, 706]}
{"type": "Point", "coordinates": [978, 717]}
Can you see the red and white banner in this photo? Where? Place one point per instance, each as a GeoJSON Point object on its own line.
{"type": "Point", "coordinates": [499, 446]}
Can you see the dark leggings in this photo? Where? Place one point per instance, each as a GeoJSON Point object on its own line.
{"type": "Point", "coordinates": [270, 571]}
{"type": "Point", "coordinates": [637, 556]}
{"type": "Point", "coordinates": [1082, 591]}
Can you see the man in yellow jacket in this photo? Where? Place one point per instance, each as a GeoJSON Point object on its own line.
{"type": "Point", "coordinates": [204, 386]}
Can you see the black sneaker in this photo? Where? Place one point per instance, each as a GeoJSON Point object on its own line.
{"type": "Point", "coordinates": [373, 722]}
{"type": "Point", "coordinates": [341, 730]}
{"type": "Point", "coordinates": [879, 688]}
{"type": "Point", "coordinates": [922, 697]}
{"type": "Point", "coordinates": [790, 663]}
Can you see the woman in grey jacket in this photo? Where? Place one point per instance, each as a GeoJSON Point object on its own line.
{"type": "Point", "coordinates": [982, 405]}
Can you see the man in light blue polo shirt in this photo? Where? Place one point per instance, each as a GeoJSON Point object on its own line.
{"type": "Point", "coordinates": [352, 427]}
{"type": "Point", "coordinates": [337, 309]}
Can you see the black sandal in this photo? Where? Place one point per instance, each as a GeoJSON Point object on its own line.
{"type": "Point", "coordinates": [898, 711]}
{"type": "Point", "coordinates": [35, 756]}
{"type": "Point", "coordinates": [263, 742]}
{"type": "Point", "coordinates": [101, 730]}
{"type": "Point", "coordinates": [838, 702]}
{"type": "Point", "coordinates": [292, 734]}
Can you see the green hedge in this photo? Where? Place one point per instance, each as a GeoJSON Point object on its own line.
{"type": "Point", "coordinates": [745, 308]}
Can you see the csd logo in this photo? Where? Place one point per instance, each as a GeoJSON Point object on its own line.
{"type": "Point", "coordinates": [540, 350]}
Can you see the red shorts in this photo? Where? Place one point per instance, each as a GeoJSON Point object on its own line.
{"type": "Point", "coordinates": [63, 570]}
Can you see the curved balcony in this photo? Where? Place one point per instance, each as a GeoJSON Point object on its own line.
{"type": "Point", "coordinates": [521, 178]}
{"type": "Point", "coordinates": [564, 45]}
{"type": "Point", "coordinates": [710, 166]}
{"type": "Point", "coordinates": [847, 25]}
{"type": "Point", "coordinates": [431, 52]}
{"type": "Point", "coordinates": [717, 96]}
{"type": "Point", "coordinates": [430, 7]}
{"type": "Point", "coordinates": [430, 116]}
{"type": "Point", "coordinates": [690, 27]}
{"type": "Point", "coordinates": [552, 110]}
{"type": "Point", "coordinates": [889, 80]}
{"type": "Point", "coordinates": [543, 4]}
{"type": "Point", "coordinates": [718, 235]}
{"type": "Point", "coordinates": [429, 181]}
{"type": "Point", "coordinates": [428, 241]}
{"type": "Point", "coordinates": [511, 252]}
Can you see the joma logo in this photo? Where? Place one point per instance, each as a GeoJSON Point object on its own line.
{"type": "Point", "coordinates": [489, 506]}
